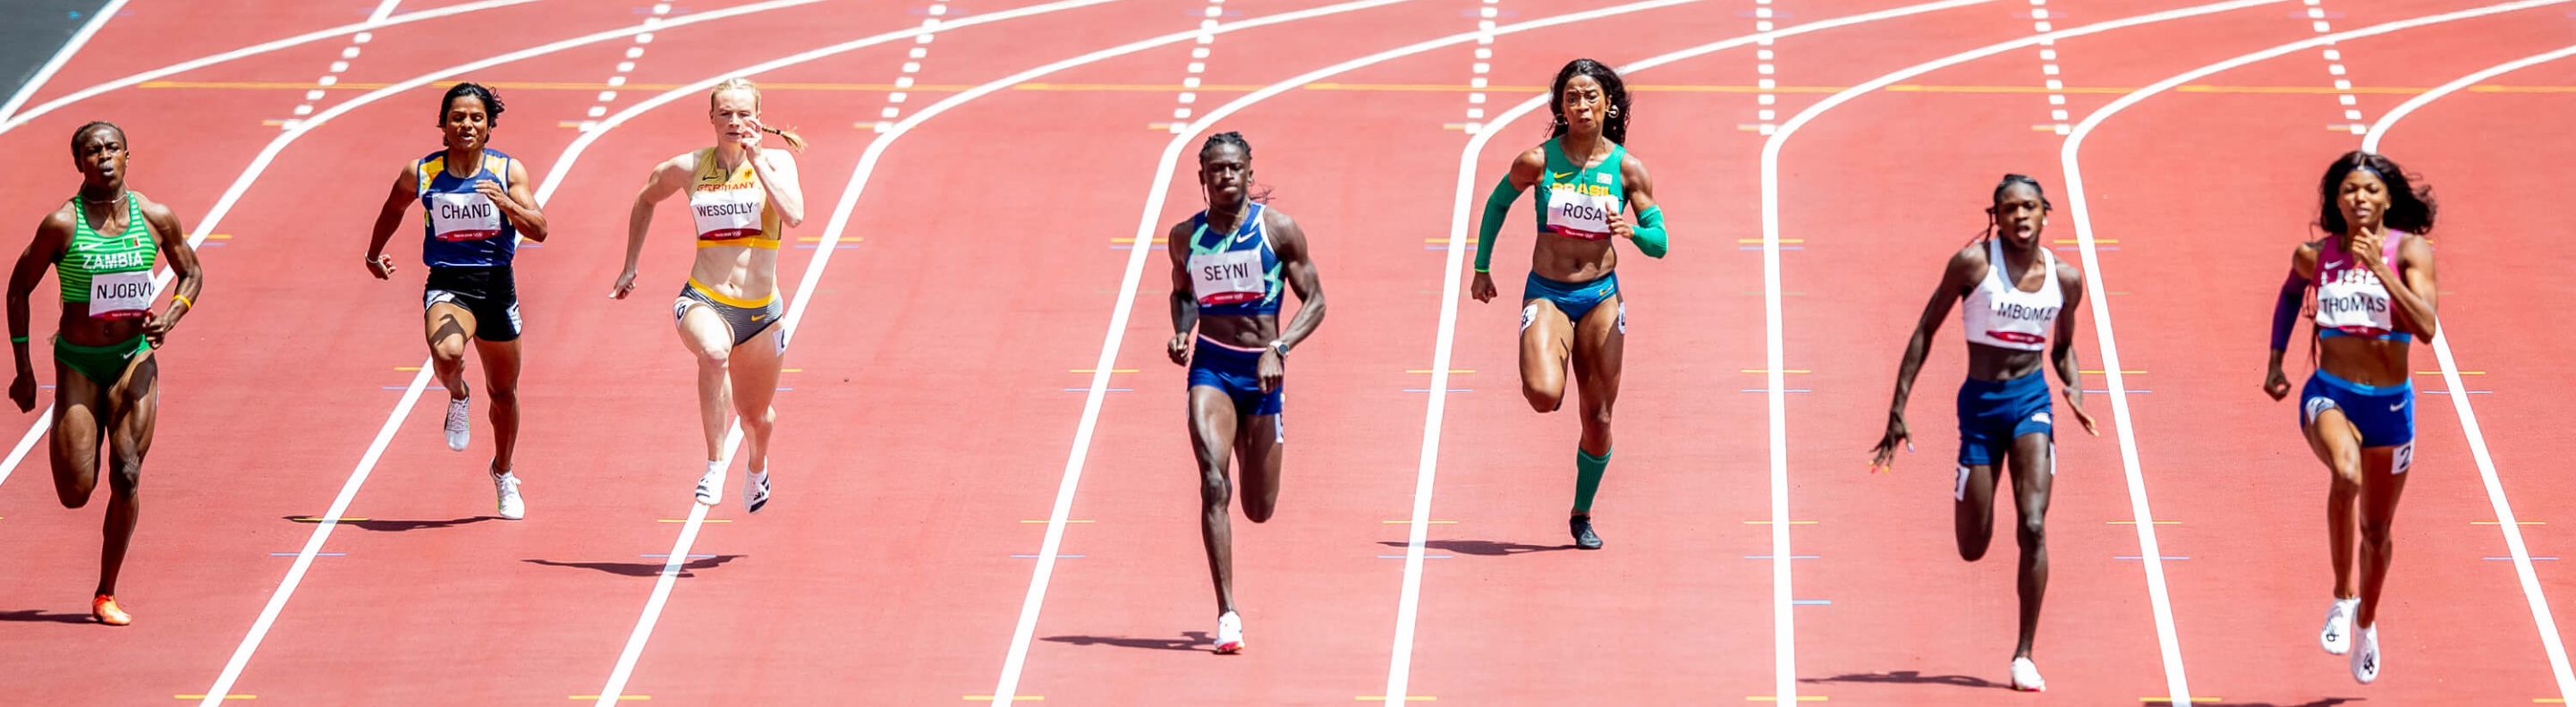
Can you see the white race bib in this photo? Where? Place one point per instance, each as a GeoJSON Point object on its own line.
{"type": "Point", "coordinates": [727, 214]}
{"type": "Point", "coordinates": [2353, 300]}
{"type": "Point", "coordinates": [1575, 212]}
{"type": "Point", "coordinates": [463, 217]}
{"type": "Point", "coordinates": [120, 295]}
{"type": "Point", "coordinates": [1227, 277]}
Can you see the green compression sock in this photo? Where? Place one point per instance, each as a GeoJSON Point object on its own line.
{"type": "Point", "coordinates": [1587, 477]}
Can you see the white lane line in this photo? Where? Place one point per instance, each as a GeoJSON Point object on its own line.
{"type": "Point", "coordinates": [1480, 69]}
{"type": "Point", "coordinates": [61, 56]}
{"type": "Point", "coordinates": [2101, 304]}
{"type": "Point", "coordinates": [2540, 615]}
{"type": "Point", "coordinates": [1407, 609]}
{"type": "Point", "coordinates": [2171, 647]}
{"type": "Point", "coordinates": [13, 120]}
{"type": "Point", "coordinates": [366, 465]}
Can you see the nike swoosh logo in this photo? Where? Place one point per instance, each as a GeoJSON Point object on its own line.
{"type": "Point", "coordinates": [1561, 175]}
{"type": "Point", "coordinates": [2396, 407]}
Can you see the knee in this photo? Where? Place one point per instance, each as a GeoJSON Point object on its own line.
{"type": "Point", "coordinates": [447, 349]}
{"type": "Point", "coordinates": [714, 358]}
{"type": "Point", "coordinates": [1541, 399]}
{"type": "Point", "coordinates": [502, 394]}
{"type": "Point", "coordinates": [2347, 476]}
{"type": "Point", "coordinates": [1258, 510]}
{"type": "Point", "coordinates": [2374, 534]}
{"type": "Point", "coordinates": [1214, 492]}
{"type": "Point", "coordinates": [2033, 532]}
{"type": "Point", "coordinates": [125, 476]}
{"type": "Point", "coordinates": [1973, 542]}
{"type": "Point", "coordinates": [72, 496]}
{"type": "Point", "coordinates": [1598, 418]}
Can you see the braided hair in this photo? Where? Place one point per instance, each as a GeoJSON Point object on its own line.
{"type": "Point", "coordinates": [1235, 139]}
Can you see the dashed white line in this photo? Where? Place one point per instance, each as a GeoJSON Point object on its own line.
{"type": "Point", "coordinates": [1479, 78]}
{"type": "Point", "coordinates": [1764, 73]}
{"type": "Point", "coordinates": [1190, 82]}
{"type": "Point", "coordinates": [2041, 21]}
{"type": "Point", "coordinates": [2333, 56]}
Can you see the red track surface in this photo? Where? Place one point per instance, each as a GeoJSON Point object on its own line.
{"type": "Point", "coordinates": [937, 375]}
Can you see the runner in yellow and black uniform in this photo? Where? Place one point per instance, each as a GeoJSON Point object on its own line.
{"type": "Point", "coordinates": [741, 197]}
{"type": "Point", "coordinates": [103, 245]}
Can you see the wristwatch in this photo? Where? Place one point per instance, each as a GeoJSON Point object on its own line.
{"type": "Point", "coordinates": [1280, 346]}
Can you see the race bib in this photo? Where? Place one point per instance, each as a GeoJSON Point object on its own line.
{"type": "Point", "coordinates": [1576, 211]}
{"type": "Point", "coordinates": [727, 214]}
{"type": "Point", "coordinates": [463, 217]}
{"type": "Point", "coordinates": [120, 295]}
{"type": "Point", "coordinates": [1227, 277]}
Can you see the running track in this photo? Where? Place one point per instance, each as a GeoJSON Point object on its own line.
{"type": "Point", "coordinates": [943, 367]}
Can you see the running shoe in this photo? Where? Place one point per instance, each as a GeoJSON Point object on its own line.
{"type": "Point", "coordinates": [2337, 635]}
{"type": "Point", "coordinates": [1229, 633]}
{"type": "Point", "coordinates": [460, 422]}
{"type": "Point", "coordinates": [104, 609]}
{"type": "Point", "coordinates": [507, 486]}
{"type": "Point", "coordinates": [711, 485]}
{"type": "Point", "coordinates": [2025, 676]}
{"type": "Point", "coordinates": [755, 492]}
{"type": "Point", "coordinates": [2365, 657]}
{"type": "Point", "coordinates": [1583, 537]}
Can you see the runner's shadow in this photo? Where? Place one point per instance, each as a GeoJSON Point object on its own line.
{"type": "Point", "coordinates": [1912, 677]}
{"type": "Point", "coordinates": [396, 526]}
{"type": "Point", "coordinates": [1487, 548]}
{"type": "Point", "coordinates": [39, 615]}
{"type": "Point", "coordinates": [1190, 641]}
{"type": "Point", "coordinates": [2325, 702]}
{"type": "Point", "coordinates": [642, 569]}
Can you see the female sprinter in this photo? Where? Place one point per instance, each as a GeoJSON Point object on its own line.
{"type": "Point", "coordinates": [741, 195]}
{"type": "Point", "coordinates": [2374, 283]}
{"type": "Point", "coordinates": [1225, 288]}
{"type": "Point", "coordinates": [2016, 291]}
{"type": "Point", "coordinates": [475, 203]}
{"type": "Point", "coordinates": [106, 384]}
{"type": "Point", "coordinates": [1571, 304]}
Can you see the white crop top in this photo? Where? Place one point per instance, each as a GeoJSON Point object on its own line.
{"type": "Point", "coordinates": [2002, 315]}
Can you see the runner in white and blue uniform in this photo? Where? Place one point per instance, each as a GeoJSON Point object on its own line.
{"type": "Point", "coordinates": [2374, 285]}
{"type": "Point", "coordinates": [2017, 297]}
{"type": "Point", "coordinates": [1230, 265]}
{"type": "Point", "coordinates": [475, 206]}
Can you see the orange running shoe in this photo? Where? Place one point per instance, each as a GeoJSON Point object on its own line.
{"type": "Point", "coordinates": [104, 608]}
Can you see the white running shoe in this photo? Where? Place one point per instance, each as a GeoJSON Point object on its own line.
{"type": "Point", "coordinates": [711, 485]}
{"type": "Point", "coordinates": [2025, 676]}
{"type": "Point", "coordinates": [460, 422]}
{"type": "Point", "coordinates": [512, 507]}
{"type": "Point", "coordinates": [2337, 635]}
{"type": "Point", "coordinates": [2365, 658]}
{"type": "Point", "coordinates": [1229, 633]}
{"type": "Point", "coordinates": [755, 492]}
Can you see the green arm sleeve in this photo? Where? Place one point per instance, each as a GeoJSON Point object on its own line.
{"type": "Point", "coordinates": [1497, 205]}
{"type": "Point", "coordinates": [1650, 232]}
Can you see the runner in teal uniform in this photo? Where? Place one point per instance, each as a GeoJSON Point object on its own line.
{"type": "Point", "coordinates": [1570, 306]}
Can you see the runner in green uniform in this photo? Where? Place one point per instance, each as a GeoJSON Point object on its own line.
{"type": "Point", "coordinates": [102, 243]}
{"type": "Point", "coordinates": [1571, 308]}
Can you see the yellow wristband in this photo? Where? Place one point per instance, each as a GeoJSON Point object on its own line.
{"type": "Point", "coordinates": [183, 299]}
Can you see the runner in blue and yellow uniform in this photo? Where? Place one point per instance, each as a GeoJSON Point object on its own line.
{"type": "Point", "coordinates": [107, 386]}
{"type": "Point", "coordinates": [1571, 305]}
{"type": "Point", "coordinates": [742, 195]}
{"type": "Point", "coordinates": [1230, 263]}
{"type": "Point", "coordinates": [475, 205]}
